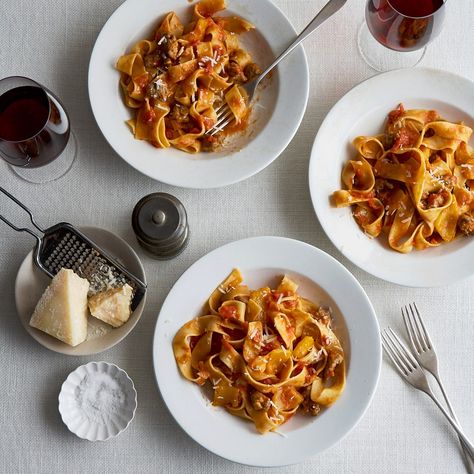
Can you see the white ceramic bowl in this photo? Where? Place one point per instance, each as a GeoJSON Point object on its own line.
{"type": "Point", "coordinates": [31, 282]}
{"type": "Point", "coordinates": [97, 401]}
{"type": "Point", "coordinates": [274, 121]}
{"type": "Point", "coordinates": [321, 278]}
{"type": "Point", "coordinates": [362, 111]}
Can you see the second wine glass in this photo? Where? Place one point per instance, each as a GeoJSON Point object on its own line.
{"type": "Point", "coordinates": [395, 32]}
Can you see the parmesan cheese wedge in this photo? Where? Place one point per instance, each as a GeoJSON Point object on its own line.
{"type": "Point", "coordinates": [112, 306]}
{"type": "Point", "coordinates": [61, 311]}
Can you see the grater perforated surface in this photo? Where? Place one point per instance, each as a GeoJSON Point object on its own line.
{"type": "Point", "coordinates": [64, 247]}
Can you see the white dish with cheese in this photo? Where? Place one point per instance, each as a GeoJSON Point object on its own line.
{"type": "Point", "coordinates": [102, 331]}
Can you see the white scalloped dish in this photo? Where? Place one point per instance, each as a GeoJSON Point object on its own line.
{"type": "Point", "coordinates": [97, 401]}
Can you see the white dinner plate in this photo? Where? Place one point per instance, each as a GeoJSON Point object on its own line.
{"type": "Point", "coordinates": [275, 118]}
{"type": "Point", "coordinates": [322, 279]}
{"type": "Point", "coordinates": [31, 282]}
{"type": "Point", "coordinates": [362, 111]}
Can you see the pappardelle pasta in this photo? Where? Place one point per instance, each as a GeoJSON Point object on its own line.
{"type": "Point", "coordinates": [266, 353]}
{"type": "Point", "coordinates": [412, 183]}
{"type": "Point", "coordinates": [179, 78]}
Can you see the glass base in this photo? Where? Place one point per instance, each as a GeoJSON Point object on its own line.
{"type": "Point", "coordinates": [381, 58]}
{"type": "Point", "coordinates": [52, 171]}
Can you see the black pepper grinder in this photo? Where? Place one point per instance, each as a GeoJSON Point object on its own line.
{"type": "Point", "coordinates": [160, 224]}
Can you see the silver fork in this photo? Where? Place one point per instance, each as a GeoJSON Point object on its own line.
{"type": "Point", "coordinates": [408, 367]}
{"type": "Point", "coordinates": [224, 113]}
{"type": "Point", "coordinates": [425, 353]}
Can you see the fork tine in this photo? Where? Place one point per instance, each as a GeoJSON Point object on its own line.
{"type": "Point", "coordinates": [412, 333]}
{"type": "Point", "coordinates": [223, 117]}
{"type": "Point", "coordinates": [223, 125]}
{"type": "Point", "coordinates": [422, 325]}
{"type": "Point", "coordinates": [219, 125]}
{"type": "Point", "coordinates": [396, 351]}
{"type": "Point", "coordinates": [418, 330]}
{"type": "Point", "coordinates": [402, 349]}
{"type": "Point", "coordinates": [223, 114]}
{"type": "Point", "coordinates": [220, 110]}
{"type": "Point", "coordinates": [389, 351]}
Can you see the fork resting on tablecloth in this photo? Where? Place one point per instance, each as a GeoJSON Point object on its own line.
{"type": "Point", "coordinates": [409, 368]}
{"type": "Point", "coordinates": [425, 352]}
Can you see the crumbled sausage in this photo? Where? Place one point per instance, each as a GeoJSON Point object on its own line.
{"type": "Point", "coordinates": [158, 89]}
{"type": "Point", "coordinates": [212, 143]}
{"type": "Point", "coordinates": [235, 72]}
{"type": "Point", "coordinates": [449, 181]}
{"type": "Point", "coordinates": [260, 401]}
{"type": "Point", "coordinates": [166, 51]}
{"type": "Point", "coordinates": [432, 200]}
{"type": "Point", "coordinates": [383, 190]}
{"type": "Point", "coordinates": [152, 60]}
{"type": "Point", "coordinates": [308, 406]}
{"type": "Point", "coordinates": [180, 113]}
{"type": "Point", "coordinates": [466, 224]}
{"type": "Point", "coordinates": [173, 48]}
{"type": "Point", "coordinates": [251, 71]}
{"type": "Point", "coordinates": [334, 360]}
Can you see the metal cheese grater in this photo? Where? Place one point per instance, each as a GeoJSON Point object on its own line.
{"type": "Point", "coordinates": [63, 246]}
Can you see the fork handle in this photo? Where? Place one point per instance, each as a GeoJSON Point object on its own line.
{"type": "Point", "coordinates": [327, 11]}
{"type": "Point", "coordinates": [468, 446]}
{"type": "Point", "coordinates": [467, 460]}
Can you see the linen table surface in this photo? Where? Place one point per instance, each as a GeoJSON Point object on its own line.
{"type": "Point", "coordinates": [402, 431]}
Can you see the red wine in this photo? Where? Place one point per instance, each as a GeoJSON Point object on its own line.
{"type": "Point", "coordinates": [404, 25]}
{"type": "Point", "coordinates": [34, 127]}
{"type": "Point", "coordinates": [24, 112]}
{"type": "Point", "coordinates": [416, 8]}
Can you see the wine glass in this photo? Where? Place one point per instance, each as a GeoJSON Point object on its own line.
{"type": "Point", "coordinates": [395, 32]}
{"type": "Point", "coordinates": [35, 132]}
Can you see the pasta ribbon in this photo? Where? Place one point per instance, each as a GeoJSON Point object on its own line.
{"type": "Point", "coordinates": [267, 353]}
{"type": "Point", "coordinates": [191, 71]}
{"type": "Point", "coordinates": [413, 182]}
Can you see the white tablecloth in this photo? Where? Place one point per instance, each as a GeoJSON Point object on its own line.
{"type": "Point", "coordinates": [51, 41]}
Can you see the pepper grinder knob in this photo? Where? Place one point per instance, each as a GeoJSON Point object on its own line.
{"type": "Point", "coordinates": [160, 223]}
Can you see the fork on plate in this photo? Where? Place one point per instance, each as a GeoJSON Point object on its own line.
{"type": "Point", "coordinates": [425, 352]}
{"type": "Point", "coordinates": [225, 115]}
{"type": "Point", "coordinates": [410, 370]}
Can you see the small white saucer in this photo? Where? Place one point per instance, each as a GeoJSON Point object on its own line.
{"type": "Point", "coordinates": [31, 282]}
{"type": "Point", "coordinates": [97, 401]}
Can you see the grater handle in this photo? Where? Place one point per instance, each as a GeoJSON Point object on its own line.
{"type": "Point", "coordinates": [21, 229]}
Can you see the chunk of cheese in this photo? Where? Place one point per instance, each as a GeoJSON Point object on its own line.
{"type": "Point", "coordinates": [61, 311]}
{"type": "Point", "coordinates": [112, 306]}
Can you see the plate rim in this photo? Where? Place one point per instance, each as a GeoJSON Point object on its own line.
{"type": "Point", "coordinates": [372, 318]}
{"type": "Point", "coordinates": [231, 178]}
{"type": "Point", "coordinates": [351, 93]}
{"type": "Point", "coordinates": [32, 332]}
